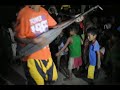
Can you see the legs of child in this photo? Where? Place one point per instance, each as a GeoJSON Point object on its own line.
{"type": "Point", "coordinates": [69, 76]}
{"type": "Point", "coordinates": [78, 68]}
{"type": "Point", "coordinates": [70, 67]}
{"type": "Point", "coordinates": [58, 62]}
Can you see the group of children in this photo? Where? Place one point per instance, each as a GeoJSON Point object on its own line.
{"type": "Point", "coordinates": [40, 64]}
{"type": "Point", "coordinates": [73, 46]}
{"type": "Point", "coordinates": [76, 51]}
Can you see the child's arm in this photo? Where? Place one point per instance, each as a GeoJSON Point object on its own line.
{"type": "Point", "coordinates": [98, 59]}
{"type": "Point", "coordinates": [66, 44]}
{"type": "Point", "coordinates": [66, 50]}
{"type": "Point", "coordinates": [81, 41]}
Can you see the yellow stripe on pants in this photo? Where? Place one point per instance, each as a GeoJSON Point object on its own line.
{"type": "Point", "coordinates": [36, 75]}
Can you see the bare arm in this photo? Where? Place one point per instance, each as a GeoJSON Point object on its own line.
{"type": "Point", "coordinates": [66, 44]}
{"type": "Point", "coordinates": [39, 41]}
{"type": "Point", "coordinates": [98, 60]}
{"type": "Point", "coordinates": [23, 40]}
{"type": "Point", "coordinates": [82, 41]}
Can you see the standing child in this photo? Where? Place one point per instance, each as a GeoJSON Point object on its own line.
{"type": "Point", "coordinates": [74, 43]}
{"type": "Point", "coordinates": [62, 58]}
{"type": "Point", "coordinates": [94, 53]}
{"type": "Point", "coordinates": [33, 20]}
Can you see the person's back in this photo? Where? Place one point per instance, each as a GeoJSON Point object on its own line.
{"type": "Point", "coordinates": [75, 46]}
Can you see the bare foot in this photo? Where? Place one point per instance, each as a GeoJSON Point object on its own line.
{"type": "Point", "coordinates": [67, 78]}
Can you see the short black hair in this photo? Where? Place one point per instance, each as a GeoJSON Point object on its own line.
{"type": "Point", "coordinates": [74, 27]}
{"type": "Point", "coordinates": [59, 16]}
{"type": "Point", "coordinates": [92, 30]}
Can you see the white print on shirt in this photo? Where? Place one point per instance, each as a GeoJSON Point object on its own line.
{"type": "Point", "coordinates": [39, 25]}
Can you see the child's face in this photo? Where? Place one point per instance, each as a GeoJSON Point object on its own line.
{"type": "Point", "coordinates": [91, 37]}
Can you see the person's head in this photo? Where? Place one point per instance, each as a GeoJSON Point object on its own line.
{"type": "Point", "coordinates": [13, 24]}
{"type": "Point", "coordinates": [35, 7]}
{"type": "Point", "coordinates": [73, 29]}
{"type": "Point", "coordinates": [52, 10]}
{"type": "Point", "coordinates": [59, 19]}
{"type": "Point", "coordinates": [72, 11]}
{"type": "Point", "coordinates": [94, 20]}
{"type": "Point", "coordinates": [92, 34]}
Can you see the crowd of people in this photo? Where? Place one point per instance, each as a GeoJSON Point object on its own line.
{"type": "Point", "coordinates": [87, 46]}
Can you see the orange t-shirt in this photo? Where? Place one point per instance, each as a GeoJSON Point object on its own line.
{"type": "Point", "coordinates": [30, 24]}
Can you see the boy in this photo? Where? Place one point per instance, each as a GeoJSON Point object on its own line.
{"type": "Point", "coordinates": [32, 21]}
{"type": "Point", "coordinates": [74, 44]}
{"type": "Point", "coordinates": [61, 60]}
{"type": "Point", "coordinates": [94, 53]}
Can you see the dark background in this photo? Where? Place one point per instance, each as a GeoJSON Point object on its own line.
{"type": "Point", "coordinates": [8, 12]}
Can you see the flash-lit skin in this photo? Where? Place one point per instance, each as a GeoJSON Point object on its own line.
{"type": "Point", "coordinates": [35, 7]}
{"type": "Point", "coordinates": [69, 40]}
{"type": "Point", "coordinates": [92, 38]}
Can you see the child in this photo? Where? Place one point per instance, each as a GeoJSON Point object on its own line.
{"type": "Point", "coordinates": [74, 43]}
{"type": "Point", "coordinates": [33, 20]}
{"type": "Point", "coordinates": [94, 53]}
{"type": "Point", "coordinates": [62, 58]}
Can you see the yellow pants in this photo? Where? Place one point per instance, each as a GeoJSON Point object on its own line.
{"type": "Point", "coordinates": [91, 70]}
{"type": "Point", "coordinates": [41, 70]}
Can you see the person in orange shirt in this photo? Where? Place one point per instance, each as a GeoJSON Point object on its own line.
{"type": "Point", "coordinates": [33, 20]}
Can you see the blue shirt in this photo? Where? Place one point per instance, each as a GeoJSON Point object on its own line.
{"type": "Point", "coordinates": [92, 53]}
